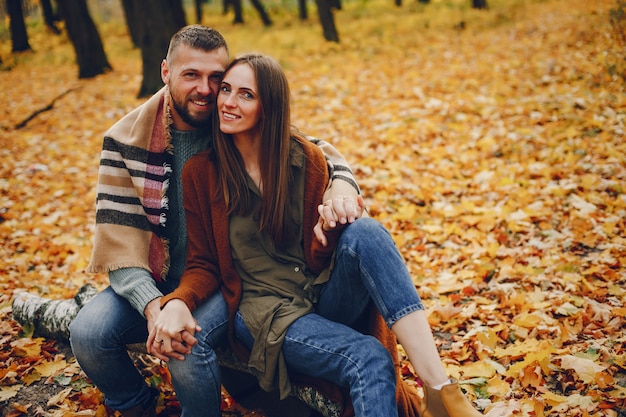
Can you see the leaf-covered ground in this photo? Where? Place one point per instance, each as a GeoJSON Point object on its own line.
{"type": "Point", "coordinates": [490, 143]}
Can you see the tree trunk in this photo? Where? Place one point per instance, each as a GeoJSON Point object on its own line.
{"type": "Point", "coordinates": [327, 20]}
{"type": "Point", "coordinates": [198, 10]}
{"type": "Point", "coordinates": [49, 16]}
{"type": "Point", "coordinates": [262, 13]}
{"type": "Point", "coordinates": [50, 318]}
{"type": "Point", "coordinates": [85, 38]}
{"type": "Point", "coordinates": [159, 20]}
{"type": "Point", "coordinates": [238, 9]}
{"type": "Point", "coordinates": [131, 15]}
{"type": "Point", "coordinates": [304, 13]}
{"type": "Point", "coordinates": [19, 36]}
{"type": "Point", "coordinates": [479, 4]}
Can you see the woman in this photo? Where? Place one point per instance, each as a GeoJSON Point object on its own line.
{"type": "Point", "coordinates": [299, 305]}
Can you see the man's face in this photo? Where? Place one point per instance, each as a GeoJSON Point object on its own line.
{"type": "Point", "coordinates": [193, 76]}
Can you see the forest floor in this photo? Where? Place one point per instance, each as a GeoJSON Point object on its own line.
{"type": "Point", "coordinates": [490, 144]}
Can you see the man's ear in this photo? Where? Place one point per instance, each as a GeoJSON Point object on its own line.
{"type": "Point", "coordinates": [165, 71]}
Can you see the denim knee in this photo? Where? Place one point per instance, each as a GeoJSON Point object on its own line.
{"type": "Point", "coordinates": [81, 332]}
{"type": "Point", "coordinates": [364, 229]}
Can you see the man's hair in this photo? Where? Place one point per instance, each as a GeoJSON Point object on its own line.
{"type": "Point", "coordinates": [198, 37]}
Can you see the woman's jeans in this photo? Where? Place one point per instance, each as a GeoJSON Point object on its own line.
{"type": "Point", "coordinates": [107, 323]}
{"type": "Point", "coordinates": [368, 267]}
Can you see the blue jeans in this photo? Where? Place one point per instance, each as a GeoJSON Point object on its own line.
{"type": "Point", "coordinates": [324, 344]}
{"type": "Point", "coordinates": [107, 323]}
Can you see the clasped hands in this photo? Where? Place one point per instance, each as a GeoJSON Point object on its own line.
{"type": "Point", "coordinates": [171, 330]}
{"type": "Point", "coordinates": [336, 212]}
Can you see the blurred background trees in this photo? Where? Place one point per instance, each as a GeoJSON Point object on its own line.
{"type": "Point", "coordinates": [150, 24]}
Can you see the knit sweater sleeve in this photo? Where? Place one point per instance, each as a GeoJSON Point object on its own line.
{"type": "Point", "coordinates": [338, 167]}
{"type": "Point", "coordinates": [135, 285]}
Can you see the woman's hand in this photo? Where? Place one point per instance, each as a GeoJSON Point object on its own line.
{"type": "Point", "coordinates": [336, 212]}
{"type": "Point", "coordinates": [172, 335]}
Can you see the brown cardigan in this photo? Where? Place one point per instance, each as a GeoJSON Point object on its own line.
{"type": "Point", "coordinates": [209, 263]}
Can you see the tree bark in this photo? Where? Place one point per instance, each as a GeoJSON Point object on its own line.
{"type": "Point", "coordinates": [479, 4]}
{"type": "Point", "coordinates": [49, 16]}
{"type": "Point", "coordinates": [304, 13]}
{"type": "Point", "coordinates": [262, 13]}
{"type": "Point", "coordinates": [327, 20]}
{"type": "Point", "coordinates": [158, 21]}
{"type": "Point", "coordinates": [198, 8]}
{"type": "Point", "coordinates": [265, 18]}
{"type": "Point", "coordinates": [131, 15]}
{"type": "Point", "coordinates": [85, 38]}
{"type": "Point", "coordinates": [19, 36]}
{"type": "Point", "coordinates": [238, 10]}
{"type": "Point", "coordinates": [50, 318]}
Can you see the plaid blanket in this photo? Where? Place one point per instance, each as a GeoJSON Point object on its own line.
{"type": "Point", "coordinates": [131, 204]}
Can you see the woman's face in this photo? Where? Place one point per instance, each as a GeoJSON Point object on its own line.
{"type": "Point", "coordinates": [238, 103]}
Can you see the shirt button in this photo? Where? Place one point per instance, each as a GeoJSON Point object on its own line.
{"type": "Point", "coordinates": [297, 269]}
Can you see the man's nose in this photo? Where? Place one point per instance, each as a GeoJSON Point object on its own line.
{"type": "Point", "coordinates": [206, 87]}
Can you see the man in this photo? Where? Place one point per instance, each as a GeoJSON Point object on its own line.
{"type": "Point", "coordinates": [140, 236]}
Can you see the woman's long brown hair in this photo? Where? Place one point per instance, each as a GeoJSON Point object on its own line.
{"type": "Point", "coordinates": [276, 178]}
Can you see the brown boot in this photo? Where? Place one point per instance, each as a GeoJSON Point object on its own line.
{"type": "Point", "coordinates": [447, 402]}
{"type": "Point", "coordinates": [140, 411]}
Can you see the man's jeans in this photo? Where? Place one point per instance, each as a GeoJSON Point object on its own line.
{"type": "Point", "coordinates": [107, 323]}
{"type": "Point", "coordinates": [367, 267]}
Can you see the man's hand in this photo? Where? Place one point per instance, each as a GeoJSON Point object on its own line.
{"type": "Point", "coordinates": [338, 211]}
{"type": "Point", "coordinates": [171, 334]}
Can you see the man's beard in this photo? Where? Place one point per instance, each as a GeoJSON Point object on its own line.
{"type": "Point", "coordinates": [189, 119]}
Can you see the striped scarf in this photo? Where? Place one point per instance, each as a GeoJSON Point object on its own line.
{"type": "Point", "coordinates": [131, 203]}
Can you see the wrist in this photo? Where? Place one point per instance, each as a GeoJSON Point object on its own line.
{"type": "Point", "coordinates": [152, 309]}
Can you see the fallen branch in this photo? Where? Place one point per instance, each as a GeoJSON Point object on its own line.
{"type": "Point", "coordinates": [51, 319]}
{"type": "Point", "coordinates": [44, 109]}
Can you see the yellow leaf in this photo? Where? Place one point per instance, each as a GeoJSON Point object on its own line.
{"type": "Point", "coordinates": [31, 378]}
{"type": "Point", "coordinates": [488, 337]}
{"type": "Point", "coordinates": [498, 387]}
{"type": "Point", "coordinates": [586, 369]}
{"type": "Point", "coordinates": [26, 347]}
{"type": "Point", "coordinates": [553, 399]}
{"type": "Point", "coordinates": [528, 320]}
{"type": "Point", "coordinates": [618, 392]}
{"type": "Point", "coordinates": [59, 398]}
{"type": "Point", "coordinates": [479, 369]}
{"type": "Point", "coordinates": [9, 392]}
{"type": "Point", "coordinates": [50, 368]}
{"type": "Point", "coordinates": [541, 356]}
